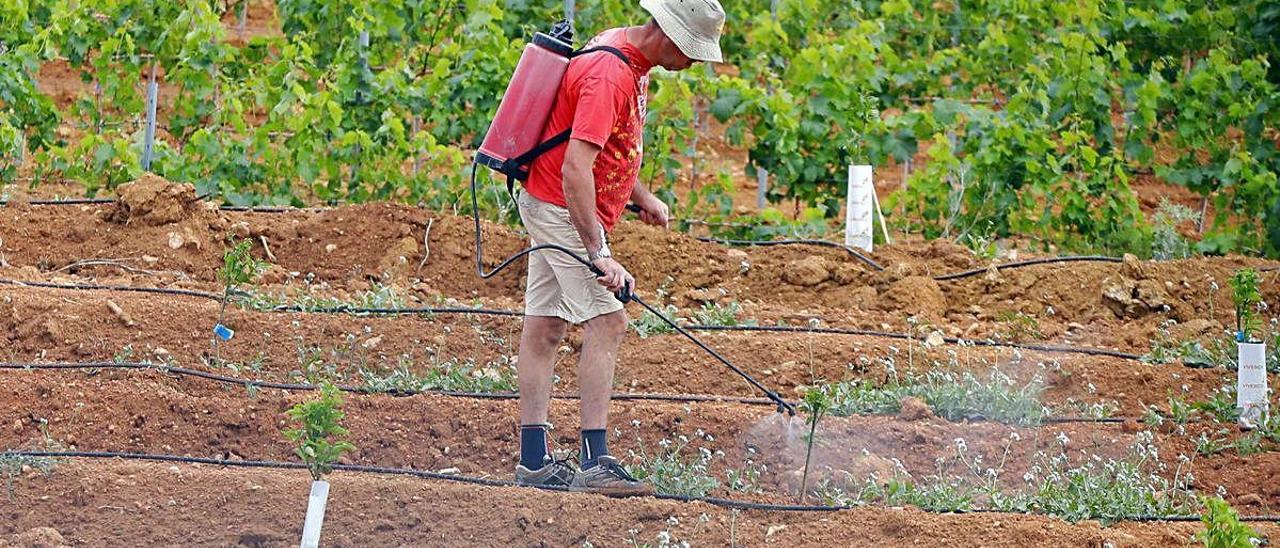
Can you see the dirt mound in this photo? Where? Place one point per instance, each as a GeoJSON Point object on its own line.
{"type": "Point", "coordinates": [40, 537]}
{"type": "Point", "coordinates": [916, 296]}
{"type": "Point", "coordinates": [914, 409]}
{"type": "Point", "coordinates": [151, 200]}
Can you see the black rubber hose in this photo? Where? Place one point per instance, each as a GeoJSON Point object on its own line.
{"type": "Point", "coordinates": [1030, 262]}
{"type": "Point", "coordinates": [625, 295]}
{"type": "Point", "coordinates": [124, 288]}
{"type": "Point", "coordinates": [490, 482]}
{"type": "Point", "coordinates": [904, 336]}
{"type": "Point", "coordinates": [302, 387]}
{"type": "Point", "coordinates": [763, 243]}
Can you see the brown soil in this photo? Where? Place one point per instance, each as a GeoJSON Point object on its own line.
{"type": "Point", "coordinates": [146, 413]}
{"type": "Point", "coordinates": [120, 503]}
{"type": "Point", "coordinates": [159, 236]}
{"type": "Point", "coordinates": [46, 325]}
{"type": "Point", "coordinates": [1081, 303]}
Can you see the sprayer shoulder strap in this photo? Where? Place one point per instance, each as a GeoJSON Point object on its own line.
{"type": "Point", "coordinates": [559, 138]}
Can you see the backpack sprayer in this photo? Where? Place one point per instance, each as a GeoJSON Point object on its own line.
{"type": "Point", "coordinates": [512, 143]}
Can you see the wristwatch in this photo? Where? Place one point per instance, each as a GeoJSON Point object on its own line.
{"type": "Point", "coordinates": [598, 254]}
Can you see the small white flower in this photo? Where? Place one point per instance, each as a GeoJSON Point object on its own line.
{"type": "Point", "coordinates": [1063, 439]}
{"type": "Point", "coordinates": [635, 423]}
{"type": "Point", "coordinates": [1014, 436]}
{"type": "Point", "coordinates": [960, 444]}
{"type": "Point", "coordinates": [673, 521]}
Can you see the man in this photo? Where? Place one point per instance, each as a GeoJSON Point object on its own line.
{"type": "Point", "coordinates": [574, 195]}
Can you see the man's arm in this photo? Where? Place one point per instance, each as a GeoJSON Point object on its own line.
{"type": "Point", "coordinates": [580, 194]}
{"type": "Point", "coordinates": [652, 210]}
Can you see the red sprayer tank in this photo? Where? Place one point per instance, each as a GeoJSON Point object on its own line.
{"type": "Point", "coordinates": [526, 105]}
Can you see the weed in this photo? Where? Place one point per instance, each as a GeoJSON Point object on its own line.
{"type": "Point", "coordinates": [665, 538]}
{"type": "Point", "coordinates": [1107, 490]}
{"type": "Point", "coordinates": [983, 247]}
{"type": "Point", "coordinates": [1096, 410]}
{"type": "Point", "coordinates": [1221, 406]}
{"type": "Point", "coordinates": [1207, 445]}
{"type": "Point", "coordinates": [649, 324]}
{"type": "Point", "coordinates": [953, 396]}
{"type": "Point", "coordinates": [124, 355]}
{"type": "Point", "coordinates": [1166, 242]}
{"type": "Point", "coordinates": [378, 297]}
{"type": "Point", "coordinates": [452, 375]}
{"type": "Point", "coordinates": [319, 433]}
{"type": "Point", "coordinates": [313, 368]}
{"type": "Point", "coordinates": [710, 314]}
{"type": "Point", "coordinates": [671, 471]}
{"type": "Point", "coordinates": [1222, 527]}
{"type": "Point", "coordinates": [1018, 327]}
{"type": "Point", "coordinates": [715, 314]}
{"type": "Point", "coordinates": [13, 466]}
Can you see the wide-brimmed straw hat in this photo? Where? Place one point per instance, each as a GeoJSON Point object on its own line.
{"type": "Point", "coordinates": [694, 25]}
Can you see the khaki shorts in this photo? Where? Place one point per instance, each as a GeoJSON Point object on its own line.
{"type": "Point", "coordinates": [557, 285]}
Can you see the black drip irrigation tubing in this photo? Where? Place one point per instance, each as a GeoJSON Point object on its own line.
{"type": "Point", "coordinates": [1030, 262]}
{"type": "Point", "coordinates": [904, 336]}
{"type": "Point", "coordinates": [125, 288]}
{"type": "Point", "coordinates": [301, 387]}
{"type": "Point", "coordinates": [731, 504]}
{"type": "Point", "coordinates": [516, 314]}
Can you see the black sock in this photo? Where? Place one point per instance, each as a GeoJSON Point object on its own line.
{"type": "Point", "coordinates": [593, 446]}
{"type": "Point", "coordinates": [533, 446]}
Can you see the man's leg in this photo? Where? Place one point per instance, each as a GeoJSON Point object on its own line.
{"type": "Point", "coordinates": [595, 378]}
{"type": "Point", "coordinates": [539, 340]}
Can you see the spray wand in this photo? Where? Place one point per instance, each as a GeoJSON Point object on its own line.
{"type": "Point", "coordinates": [626, 294]}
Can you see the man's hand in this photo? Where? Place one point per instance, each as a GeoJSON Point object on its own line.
{"type": "Point", "coordinates": [652, 210]}
{"type": "Point", "coordinates": [615, 276]}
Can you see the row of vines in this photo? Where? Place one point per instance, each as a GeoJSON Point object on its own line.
{"type": "Point", "coordinates": [1033, 116]}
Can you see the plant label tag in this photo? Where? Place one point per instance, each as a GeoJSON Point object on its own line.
{"type": "Point", "coordinates": [1251, 383]}
{"type": "Point", "coordinates": [223, 332]}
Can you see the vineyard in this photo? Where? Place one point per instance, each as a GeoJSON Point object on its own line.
{"type": "Point", "coordinates": [236, 247]}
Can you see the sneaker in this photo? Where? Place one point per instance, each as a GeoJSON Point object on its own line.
{"type": "Point", "coordinates": [608, 477]}
{"type": "Point", "coordinates": [554, 474]}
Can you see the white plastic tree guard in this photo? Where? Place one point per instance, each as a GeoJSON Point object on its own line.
{"type": "Point", "coordinates": [315, 514]}
{"type": "Point", "coordinates": [1251, 383]}
{"type": "Point", "coordinates": [859, 217]}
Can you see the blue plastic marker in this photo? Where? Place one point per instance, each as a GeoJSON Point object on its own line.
{"type": "Point", "coordinates": [223, 332]}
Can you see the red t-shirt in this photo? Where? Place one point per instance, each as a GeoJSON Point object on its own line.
{"type": "Point", "coordinates": [604, 101]}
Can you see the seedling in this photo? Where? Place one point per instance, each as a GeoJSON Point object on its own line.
{"type": "Point", "coordinates": [1222, 527]}
{"type": "Point", "coordinates": [319, 434]}
{"type": "Point", "coordinates": [238, 267]}
{"type": "Point", "coordinates": [816, 403]}
{"type": "Point", "coordinates": [1244, 292]}
{"type": "Point", "coordinates": [320, 444]}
